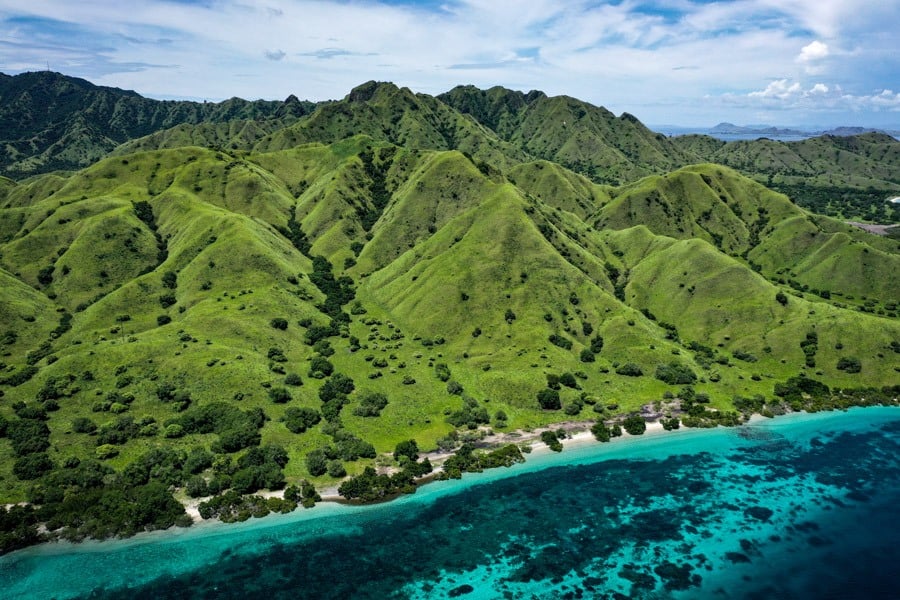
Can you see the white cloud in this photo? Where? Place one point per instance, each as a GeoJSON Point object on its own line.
{"type": "Point", "coordinates": [628, 55]}
{"type": "Point", "coordinates": [783, 94]}
{"type": "Point", "coordinates": [781, 89]}
{"type": "Point", "coordinates": [813, 51]}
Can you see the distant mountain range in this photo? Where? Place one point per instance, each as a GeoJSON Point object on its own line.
{"type": "Point", "coordinates": [730, 129]}
{"type": "Point", "coordinates": [49, 121]}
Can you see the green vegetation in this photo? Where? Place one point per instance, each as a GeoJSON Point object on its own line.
{"type": "Point", "coordinates": [329, 300]}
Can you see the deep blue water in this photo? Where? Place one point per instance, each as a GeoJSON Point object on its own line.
{"type": "Point", "coordinates": [805, 506]}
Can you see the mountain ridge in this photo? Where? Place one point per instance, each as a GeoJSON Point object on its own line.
{"type": "Point", "coordinates": [219, 320]}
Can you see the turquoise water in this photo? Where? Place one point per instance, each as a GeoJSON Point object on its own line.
{"type": "Point", "coordinates": [804, 506]}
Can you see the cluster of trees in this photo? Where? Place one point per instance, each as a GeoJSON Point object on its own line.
{"type": "Point", "coordinates": [379, 196]}
{"type": "Point", "coordinates": [551, 438]}
{"type": "Point", "coordinates": [338, 292]}
{"type": "Point", "coordinates": [795, 388]}
{"type": "Point", "coordinates": [88, 499]}
{"type": "Point", "coordinates": [298, 420]}
{"type": "Point", "coordinates": [466, 460]}
{"type": "Point", "coordinates": [842, 202]}
{"type": "Point", "coordinates": [471, 415]}
{"type": "Point", "coordinates": [29, 437]}
{"type": "Point", "coordinates": [236, 429]}
{"type": "Point", "coordinates": [810, 346]}
{"type": "Point", "coordinates": [346, 447]}
{"type": "Point", "coordinates": [370, 404]}
{"type": "Point", "coordinates": [697, 414]}
{"type": "Point", "coordinates": [370, 486]}
{"type": "Point", "coordinates": [675, 373]}
{"type": "Point", "coordinates": [604, 433]}
{"type": "Point", "coordinates": [232, 507]}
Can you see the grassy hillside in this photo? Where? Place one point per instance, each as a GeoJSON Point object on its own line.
{"type": "Point", "coordinates": [200, 320]}
{"type": "Point", "coordinates": [848, 177]}
{"type": "Point", "coordinates": [51, 121]}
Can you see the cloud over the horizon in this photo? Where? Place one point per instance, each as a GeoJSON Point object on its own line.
{"type": "Point", "coordinates": [784, 94]}
{"type": "Point", "coordinates": [664, 61]}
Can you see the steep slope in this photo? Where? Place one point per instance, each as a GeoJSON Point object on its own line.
{"type": "Point", "coordinates": [843, 176]}
{"type": "Point", "coordinates": [742, 218]}
{"type": "Point", "coordinates": [585, 138]}
{"type": "Point", "coordinates": [50, 121]}
{"type": "Point", "coordinates": [385, 112]}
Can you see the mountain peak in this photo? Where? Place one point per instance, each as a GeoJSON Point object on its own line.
{"type": "Point", "coordinates": [366, 91]}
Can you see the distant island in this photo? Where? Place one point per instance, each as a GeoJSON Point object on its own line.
{"type": "Point", "coordinates": [729, 131]}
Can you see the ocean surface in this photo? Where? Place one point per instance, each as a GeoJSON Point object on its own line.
{"type": "Point", "coordinates": [802, 506]}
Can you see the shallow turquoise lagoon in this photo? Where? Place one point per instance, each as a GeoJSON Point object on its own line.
{"type": "Point", "coordinates": [803, 506]}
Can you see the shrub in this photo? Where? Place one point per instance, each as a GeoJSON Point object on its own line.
{"type": "Point", "coordinates": [600, 431]}
{"type": "Point", "coordinates": [106, 451]}
{"type": "Point", "coordinates": [336, 468]}
{"type": "Point", "coordinates": [558, 340]}
{"type": "Point", "coordinates": [336, 384]}
{"type": "Point", "coordinates": [675, 374]}
{"type": "Point", "coordinates": [170, 280]}
{"type": "Point", "coordinates": [279, 395]}
{"type": "Point", "coordinates": [298, 420]}
{"type": "Point", "coordinates": [454, 388]}
{"type": "Point", "coordinates": [781, 298]}
{"type": "Point", "coordinates": [197, 487]}
{"type": "Point", "coordinates": [630, 370]}
{"type": "Point", "coordinates": [320, 367]}
{"type": "Point", "coordinates": [279, 323]}
{"type": "Point", "coordinates": [635, 425]}
{"type": "Point", "coordinates": [276, 355]}
{"type": "Point", "coordinates": [316, 463]}
{"type": "Point", "coordinates": [45, 275]}
{"type": "Point", "coordinates": [550, 438]}
{"type": "Point", "coordinates": [83, 425]}
{"type": "Point", "coordinates": [573, 408]}
{"type": "Point", "coordinates": [549, 399]}
{"type": "Point", "coordinates": [407, 448]}
{"type": "Point", "coordinates": [173, 431]}
{"type": "Point", "coordinates": [167, 300]}
{"type": "Point", "coordinates": [587, 356]}
{"type": "Point", "coordinates": [370, 404]}
{"type": "Point", "coordinates": [744, 356]}
{"type": "Point", "coordinates": [671, 423]}
{"type": "Point", "coordinates": [323, 348]}
{"type": "Point", "coordinates": [471, 415]}
{"type": "Point", "coordinates": [32, 466]}
{"type": "Point", "coordinates": [163, 320]}
{"type": "Point", "coordinates": [568, 380]}
{"type": "Point", "coordinates": [442, 371]}
{"type": "Point", "coordinates": [849, 364]}
{"type": "Point", "coordinates": [293, 379]}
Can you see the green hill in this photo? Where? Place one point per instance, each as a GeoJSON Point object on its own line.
{"type": "Point", "coordinates": [179, 317]}
{"type": "Point", "coordinates": [847, 177]}
{"type": "Point", "coordinates": [51, 121]}
{"type": "Point", "coordinates": [573, 133]}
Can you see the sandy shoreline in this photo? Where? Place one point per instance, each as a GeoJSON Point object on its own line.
{"type": "Point", "coordinates": [578, 435]}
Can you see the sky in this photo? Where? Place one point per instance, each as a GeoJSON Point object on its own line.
{"type": "Point", "coordinates": [676, 62]}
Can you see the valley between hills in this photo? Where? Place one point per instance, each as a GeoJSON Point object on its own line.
{"type": "Point", "coordinates": [254, 296]}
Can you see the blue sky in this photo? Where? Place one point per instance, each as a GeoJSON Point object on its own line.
{"type": "Point", "coordinates": [682, 62]}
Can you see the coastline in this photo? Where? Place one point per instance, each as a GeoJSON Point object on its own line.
{"type": "Point", "coordinates": [160, 557]}
{"type": "Point", "coordinates": [578, 436]}
{"type": "Point", "coordinates": [579, 447]}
